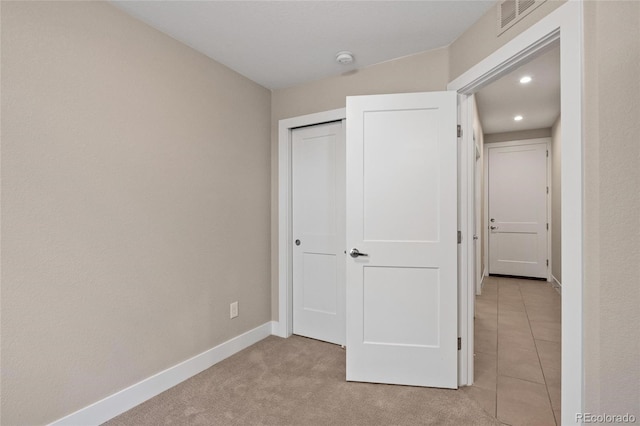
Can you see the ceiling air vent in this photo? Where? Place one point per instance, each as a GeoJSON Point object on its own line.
{"type": "Point", "coordinates": [525, 5]}
{"type": "Point", "coordinates": [506, 13]}
{"type": "Point", "coordinates": [511, 11]}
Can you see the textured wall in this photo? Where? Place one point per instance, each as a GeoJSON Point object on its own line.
{"type": "Point", "coordinates": [423, 72]}
{"type": "Point", "coordinates": [135, 205]}
{"type": "Point", "coordinates": [612, 206]}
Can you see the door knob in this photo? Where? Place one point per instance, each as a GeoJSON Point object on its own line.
{"type": "Point", "coordinates": [492, 220]}
{"type": "Point", "coordinates": [355, 253]}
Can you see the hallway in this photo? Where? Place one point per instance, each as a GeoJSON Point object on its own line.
{"type": "Point", "coordinates": [517, 351]}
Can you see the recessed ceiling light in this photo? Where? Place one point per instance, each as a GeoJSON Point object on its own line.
{"type": "Point", "coordinates": [518, 118]}
{"type": "Point", "coordinates": [345, 57]}
{"type": "Point", "coordinates": [526, 79]}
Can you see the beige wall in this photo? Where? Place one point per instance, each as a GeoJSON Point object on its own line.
{"type": "Point", "coordinates": [421, 72]}
{"type": "Point", "coordinates": [482, 38]}
{"type": "Point", "coordinates": [427, 71]}
{"type": "Point", "coordinates": [135, 205]}
{"type": "Point", "coordinates": [612, 206]}
{"type": "Point", "coordinates": [518, 135]}
{"type": "Point", "coordinates": [556, 201]}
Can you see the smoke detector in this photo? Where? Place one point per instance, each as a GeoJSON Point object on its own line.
{"type": "Point", "coordinates": [345, 57]}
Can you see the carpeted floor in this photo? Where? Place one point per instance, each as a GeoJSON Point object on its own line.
{"type": "Point", "coordinates": [298, 381]}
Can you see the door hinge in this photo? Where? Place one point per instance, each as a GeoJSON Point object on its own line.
{"type": "Point", "coordinates": [547, 226]}
{"type": "Point", "coordinates": [459, 131]}
{"type": "Point", "coordinates": [547, 263]}
{"type": "Point", "coordinates": [547, 189]}
{"type": "Point", "coordinates": [459, 343]}
{"type": "Point", "coordinates": [459, 237]}
{"type": "Point", "coordinates": [547, 153]}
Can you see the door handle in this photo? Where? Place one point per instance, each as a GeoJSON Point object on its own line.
{"type": "Point", "coordinates": [493, 227]}
{"type": "Point", "coordinates": [355, 253]}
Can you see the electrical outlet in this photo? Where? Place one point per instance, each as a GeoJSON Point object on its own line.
{"type": "Point", "coordinates": [233, 310]}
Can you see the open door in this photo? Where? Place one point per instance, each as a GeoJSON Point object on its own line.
{"type": "Point", "coordinates": [401, 239]}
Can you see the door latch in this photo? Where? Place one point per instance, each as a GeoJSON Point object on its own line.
{"type": "Point", "coordinates": [356, 253]}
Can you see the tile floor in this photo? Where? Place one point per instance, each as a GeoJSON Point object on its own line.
{"type": "Point", "coordinates": [517, 351]}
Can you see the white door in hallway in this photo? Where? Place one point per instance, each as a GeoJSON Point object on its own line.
{"type": "Point", "coordinates": [401, 218]}
{"type": "Point", "coordinates": [517, 195]}
{"type": "Point", "coordinates": [318, 180]}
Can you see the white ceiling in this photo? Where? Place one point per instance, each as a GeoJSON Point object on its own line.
{"type": "Point", "coordinates": [281, 44]}
{"type": "Point", "coordinates": [285, 43]}
{"type": "Point", "coordinates": [538, 101]}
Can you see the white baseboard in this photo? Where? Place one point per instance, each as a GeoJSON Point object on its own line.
{"type": "Point", "coordinates": [556, 284]}
{"type": "Point", "coordinates": [113, 405]}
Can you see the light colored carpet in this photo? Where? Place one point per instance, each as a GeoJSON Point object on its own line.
{"type": "Point", "coordinates": [298, 381]}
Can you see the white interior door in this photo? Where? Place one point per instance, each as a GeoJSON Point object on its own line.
{"type": "Point", "coordinates": [402, 212]}
{"type": "Point", "coordinates": [318, 184]}
{"type": "Point", "coordinates": [517, 194]}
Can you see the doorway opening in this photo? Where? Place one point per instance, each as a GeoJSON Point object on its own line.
{"type": "Point", "coordinates": [284, 326]}
{"type": "Point", "coordinates": [518, 311]}
{"type": "Point", "coordinates": [563, 26]}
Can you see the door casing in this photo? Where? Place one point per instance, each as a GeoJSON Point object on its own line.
{"type": "Point", "coordinates": [284, 326]}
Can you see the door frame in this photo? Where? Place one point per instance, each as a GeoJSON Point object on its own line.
{"type": "Point", "coordinates": [566, 25]}
{"type": "Point", "coordinates": [284, 326]}
{"type": "Point", "coordinates": [477, 226]}
{"type": "Point", "coordinates": [485, 193]}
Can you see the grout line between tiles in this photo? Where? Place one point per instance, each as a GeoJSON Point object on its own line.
{"type": "Point", "coordinates": [524, 380]}
{"type": "Point", "coordinates": [545, 340]}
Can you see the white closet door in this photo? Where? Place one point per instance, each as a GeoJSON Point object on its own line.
{"type": "Point", "coordinates": [318, 156]}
